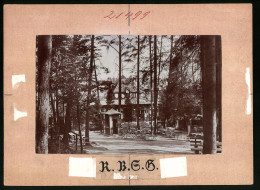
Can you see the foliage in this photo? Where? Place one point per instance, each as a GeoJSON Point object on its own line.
{"type": "Point", "coordinates": [179, 86]}
{"type": "Point", "coordinates": [110, 95]}
{"type": "Point", "coordinates": [183, 96]}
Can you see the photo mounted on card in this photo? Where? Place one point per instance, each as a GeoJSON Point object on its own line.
{"type": "Point", "coordinates": [130, 95]}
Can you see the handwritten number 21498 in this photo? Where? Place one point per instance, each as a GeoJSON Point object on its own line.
{"type": "Point", "coordinates": [141, 15]}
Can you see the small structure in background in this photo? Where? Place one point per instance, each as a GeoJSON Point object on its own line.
{"type": "Point", "coordinates": [111, 118]}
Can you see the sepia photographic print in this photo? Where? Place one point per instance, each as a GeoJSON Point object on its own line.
{"type": "Point", "coordinates": [128, 94]}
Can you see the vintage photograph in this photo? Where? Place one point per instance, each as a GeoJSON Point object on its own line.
{"type": "Point", "coordinates": [128, 94]}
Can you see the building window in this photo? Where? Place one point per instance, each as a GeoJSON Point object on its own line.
{"type": "Point", "coordinates": [116, 95]}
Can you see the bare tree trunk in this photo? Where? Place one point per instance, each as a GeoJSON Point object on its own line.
{"type": "Point", "coordinates": [53, 111]}
{"type": "Point", "coordinates": [151, 81]}
{"type": "Point", "coordinates": [171, 66]}
{"type": "Point", "coordinates": [160, 59]}
{"type": "Point", "coordinates": [138, 82]}
{"type": "Point", "coordinates": [63, 109]}
{"type": "Point", "coordinates": [44, 61]}
{"type": "Point", "coordinates": [192, 69]}
{"type": "Point", "coordinates": [58, 121]}
{"type": "Point", "coordinates": [171, 62]}
{"type": "Point", "coordinates": [120, 69]}
{"type": "Point", "coordinates": [202, 58]}
{"type": "Point", "coordinates": [155, 85]}
{"type": "Point", "coordinates": [37, 99]}
{"type": "Point", "coordinates": [57, 111]}
{"type": "Point", "coordinates": [99, 104]}
{"type": "Point", "coordinates": [89, 89]}
{"type": "Point", "coordinates": [37, 80]}
{"type": "Point", "coordinates": [209, 95]}
{"type": "Point", "coordinates": [67, 123]}
{"type": "Point", "coordinates": [80, 135]}
{"type": "Point", "coordinates": [57, 101]}
{"type": "Point", "coordinates": [218, 88]}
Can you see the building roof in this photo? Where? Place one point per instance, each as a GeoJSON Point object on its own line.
{"type": "Point", "coordinates": [111, 112]}
{"type": "Point", "coordinates": [127, 84]}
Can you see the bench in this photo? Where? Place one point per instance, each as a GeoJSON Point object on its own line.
{"type": "Point", "coordinates": [197, 150]}
{"type": "Point", "coordinates": [196, 144]}
{"type": "Point", "coordinates": [75, 138]}
{"type": "Point", "coordinates": [219, 147]}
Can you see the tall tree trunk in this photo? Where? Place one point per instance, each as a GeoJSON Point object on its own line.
{"type": "Point", "coordinates": [170, 76]}
{"type": "Point", "coordinates": [44, 61]}
{"type": "Point", "coordinates": [202, 58]}
{"type": "Point", "coordinates": [37, 99]}
{"type": "Point", "coordinates": [218, 87]}
{"type": "Point", "coordinates": [63, 109]}
{"type": "Point", "coordinates": [209, 95]}
{"type": "Point", "coordinates": [171, 62]}
{"type": "Point", "coordinates": [138, 82]}
{"type": "Point", "coordinates": [53, 111]}
{"type": "Point", "coordinates": [160, 60]}
{"type": "Point", "coordinates": [80, 135]}
{"type": "Point", "coordinates": [37, 80]}
{"type": "Point", "coordinates": [57, 110]}
{"type": "Point", "coordinates": [155, 85]}
{"type": "Point", "coordinates": [87, 126]}
{"type": "Point", "coordinates": [89, 89]}
{"type": "Point", "coordinates": [67, 123]}
{"type": "Point", "coordinates": [57, 99]}
{"type": "Point", "coordinates": [151, 81]}
{"type": "Point", "coordinates": [120, 75]}
{"type": "Point", "coordinates": [58, 121]}
{"type": "Point", "coordinates": [192, 69]}
{"type": "Point", "coordinates": [99, 104]}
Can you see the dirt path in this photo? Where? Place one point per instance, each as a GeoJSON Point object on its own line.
{"type": "Point", "coordinates": [102, 144]}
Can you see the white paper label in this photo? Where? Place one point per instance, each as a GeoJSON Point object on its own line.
{"type": "Point", "coordinates": [82, 167]}
{"type": "Point", "coordinates": [173, 167]}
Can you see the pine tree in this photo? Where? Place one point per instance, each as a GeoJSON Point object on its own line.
{"type": "Point", "coordinates": [89, 89]}
{"type": "Point", "coordinates": [138, 82]}
{"type": "Point", "coordinates": [155, 85]}
{"type": "Point", "coordinates": [44, 65]}
{"type": "Point", "coordinates": [151, 80]}
{"type": "Point", "coordinates": [209, 54]}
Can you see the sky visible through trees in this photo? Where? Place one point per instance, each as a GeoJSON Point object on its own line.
{"type": "Point", "coordinates": [109, 59]}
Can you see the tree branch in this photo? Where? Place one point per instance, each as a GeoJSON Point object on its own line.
{"type": "Point", "coordinates": [113, 48]}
